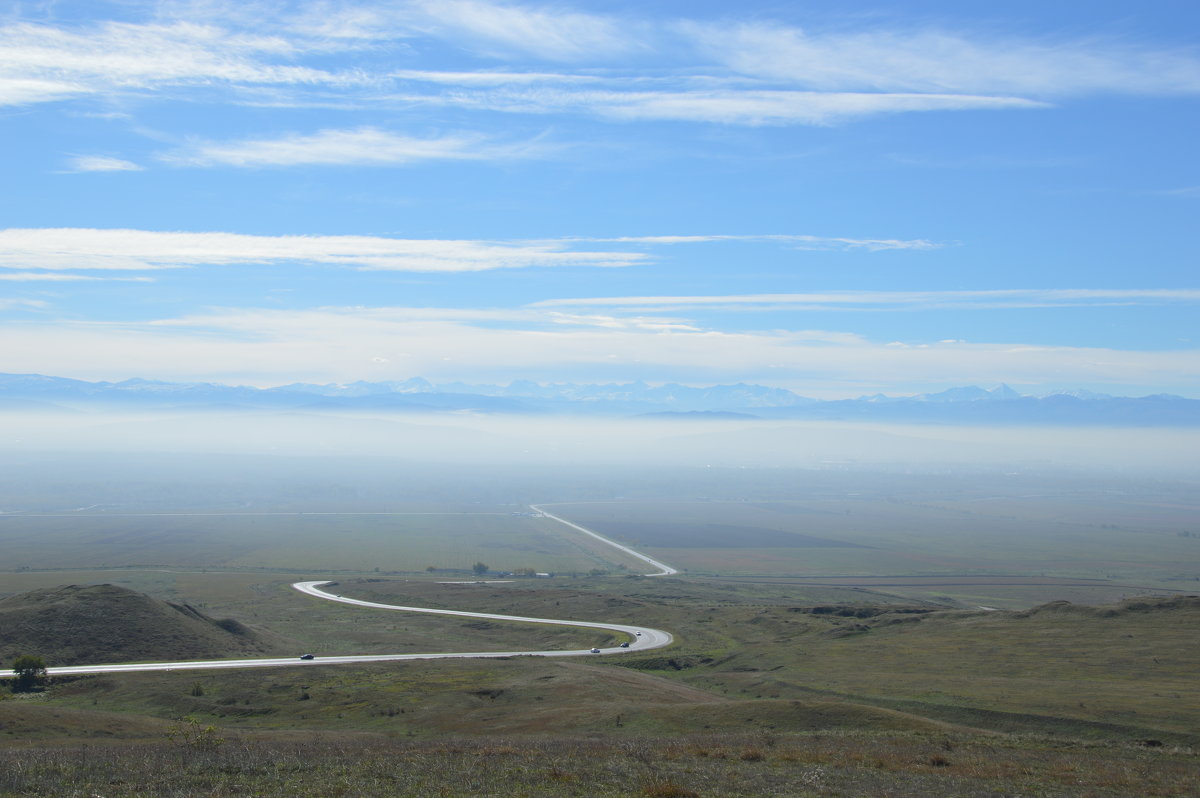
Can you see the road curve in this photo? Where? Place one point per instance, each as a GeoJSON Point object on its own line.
{"type": "Point", "coordinates": [663, 568]}
{"type": "Point", "coordinates": [641, 638]}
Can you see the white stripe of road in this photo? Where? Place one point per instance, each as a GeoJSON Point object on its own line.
{"type": "Point", "coordinates": [641, 638]}
{"type": "Point", "coordinates": [663, 568]}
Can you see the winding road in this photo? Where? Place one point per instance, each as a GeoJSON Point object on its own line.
{"type": "Point", "coordinates": [641, 638]}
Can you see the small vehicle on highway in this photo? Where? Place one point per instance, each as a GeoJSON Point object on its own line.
{"type": "Point", "coordinates": [307, 656]}
{"type": "Point", "coordinates": [625, 644]}
{"type": "Point", "coordinates": [595, 651]}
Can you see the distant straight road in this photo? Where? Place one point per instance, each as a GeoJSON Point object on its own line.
{"type": "Point", "coordinates": [642, 638]}
{"type": "Point", "coordinates": [663, 568]}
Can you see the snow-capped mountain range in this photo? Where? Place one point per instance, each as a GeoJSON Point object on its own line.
{"type": "Point", "coordinates": [963, 405]}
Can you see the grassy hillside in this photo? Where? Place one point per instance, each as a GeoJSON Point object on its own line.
{"type": "Point", "coordinates": [533, 728]}
{"type": "Point", "coordinates": [106, 623]}
{"type": "Point", "coordinates": [828, 765]}
{"type": "Point", "coordinates": [514, 696]}
{"type": "Point", "coordinates": [766, 692]}
{"type": "Point", "coordinates": [1117, 671]}
{"type": "Point", "coordinates": [1123, 671]}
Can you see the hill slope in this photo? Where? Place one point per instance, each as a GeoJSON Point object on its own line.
{"type": "Point", "coordinates": [75, 624]}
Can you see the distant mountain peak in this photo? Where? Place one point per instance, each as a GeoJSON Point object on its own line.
{"type": "Point", "coordinates": [1078, 393]}
{"type": "Point", "coordinates": [966, 404]}
{"type": "Point", "coordinates": [971, 393]}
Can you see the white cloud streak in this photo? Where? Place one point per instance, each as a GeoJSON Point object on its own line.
{"type": "Point", "coordinates": [771, 73]}
{"type": "Point", "coordinates": [547, 33]}
{"type": "Point", "coordinates": [490, 78]}
{"type": "Point", "coordinates": [131, 250]}
{"type": "Point", "coordinates": [102, 163]}
{"type": "Point", "coordinates": [364, 146]}
{"type": "Point", "coordinates": [941, 61]}
{"type": "Point", "coordinates": [727, 106]}
{"type": "Point", "coordinates": [807, 242]}
{"type": "Point", "coordinates": [124, 250]}
{"type": "Point", "coordinates": [896, 300]}
{"type": "Point", "coordinates": [40, 63]}
{"type": "Point", "coordinates": [55, 277]}
{"type": "Point", "coordinates": [337, 344]}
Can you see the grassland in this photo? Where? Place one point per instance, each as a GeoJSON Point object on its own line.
{"type": "Point", "coordinates": [847, 657]}
{"type": "Point", "coordinates": [768, 693]}
{"type": "Point", "coordinates": [1006, 551]}
{"type": "Point", "coordinates": [1121, 672]}
{"type": "Point", "coordinates": [290, 623]}
{"type": "Point", "coordinates": [400, 541]}
{"type": "Point", "coordinates": [715, 766]}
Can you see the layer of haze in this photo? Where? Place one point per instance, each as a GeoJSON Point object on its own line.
{"type": "Point", "coordinates": [468, 440]}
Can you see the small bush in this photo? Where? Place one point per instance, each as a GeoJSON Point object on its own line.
{"type": "Point", "coordinates": [188, 733]}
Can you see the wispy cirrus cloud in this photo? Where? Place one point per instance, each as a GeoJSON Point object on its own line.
{"type": "Point", "coordinates": [770, 72]}
{"type": "Point", "coordinates": [102, 163]}
{"type": "Point", "coordinates": [551, 33]}
{"type": "Point", "coordinates": [798, 241]}
{"type": "Point", "coordinates": [365, 146]}
{"type": "Point", "coordinates": [10, 303]}
{"type": "Point", "coordinates": [21, 90]}
{"type": "Point", "coordinates": [733, 106]}
{"type": "Point", "coordinates": [40, 63]}
{"type": "Point", "coordinates": [1187, 192]}
{"type": "Point", "coordinates": [126, 250]}
{"type": "Point", "coordinates": [347, 343]}
{"type": "Point", "coordinates": [939, 61]}
{"type": "Point", "coordinates": [897, 300]}
{"type": "Point", "coordinates": [491, 77]}
{"type": "Point", "coordinates": [76, 249]}
{"type": "Point", "coordinates": [60, 277]}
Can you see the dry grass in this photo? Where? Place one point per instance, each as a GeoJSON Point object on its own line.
{"type": "Point", "coordinates": [712, 766]}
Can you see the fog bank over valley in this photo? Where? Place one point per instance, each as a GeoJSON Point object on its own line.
{"type": "Point", "coordinates": [474, 439]}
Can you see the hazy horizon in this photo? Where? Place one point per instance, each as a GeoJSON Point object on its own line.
{"type": "Point", "coordinates": [478, 439]}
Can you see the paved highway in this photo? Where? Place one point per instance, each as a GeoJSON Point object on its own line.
{"type": "Point", "coordinates": [663, 568]}
{"type": "Point", "coordinates": [641, 638]}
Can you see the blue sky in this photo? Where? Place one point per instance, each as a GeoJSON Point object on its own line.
{"type": "Point", "coordinates": [895, 197]}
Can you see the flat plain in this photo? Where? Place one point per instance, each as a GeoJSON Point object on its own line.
{"type": "Point", "coordinates": [1004, 551]}
{"type": "Point", "coordinates": [836, 635]}
{"type": "Point", "coordinates": [403, 540]}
